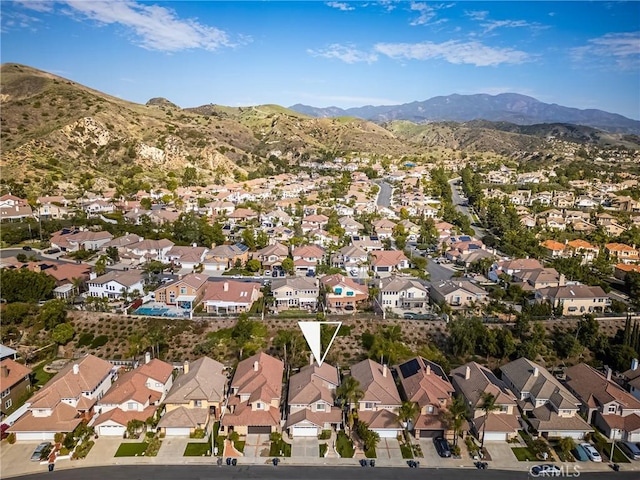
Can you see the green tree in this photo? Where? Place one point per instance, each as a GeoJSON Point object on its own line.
{"type": "Point", "coordinates": [567, 444]}
{"type": "Point", "coordinates": [455, 416]}
{"type": "Point", "coordinates": [487, 405]}
{"type": "Point", "coordinates": [100, 267]}
{"type": "Point", "coordinates": [249, 238]}
{"type": "Point", "coordinates": [189, 177]}
{"type": "Point", "coordinates": [287, 265]}
{"type": "Point", "coordinates": [23, 285]}
{"type": "Point", "coordinates": [52, 313]}
{"type": "Point", "coordinates": [350, 393]}
{"type": "Point", "coordinates": [62, 333]}
{"type": "Point", "coordinates": [253, 265]}
{"type": "Point", "coordinates": [217, 233]}
{"type": "Point", "coordinates": [407, 415]}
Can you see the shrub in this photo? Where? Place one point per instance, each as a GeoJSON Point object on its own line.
{"type": "Point", "coordinates": [83, 449]}
{"type": "Point", "coordinates": [198, 433]}
{"type": "Point", "coordinates": [99, 341]}
{"type": "Point", "coordinates": [11, 438]}
{"type": "Point", "coordinates": [58, 437]}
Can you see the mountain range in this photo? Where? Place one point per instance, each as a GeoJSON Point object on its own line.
{"type": "Point", "coordinates": [505, 107]}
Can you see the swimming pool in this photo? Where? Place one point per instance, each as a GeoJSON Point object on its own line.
{"type": "Point", "coordinates": [158, 312]}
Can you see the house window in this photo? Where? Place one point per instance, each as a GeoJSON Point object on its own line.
{"type": "Point", "coordinates": [320, 406]}
{"type": "Point", "coordinates": [612, 409]}
{"type": "Point", "coordinates": [504, 408]}
{"type": "Point", "coordinates": [6, 392]}
{"type": "Point", "coordinates": [430, 409]}
{"type": "Point", "coordinates": [183, 290]}
{"type": "Point", "coordinates": [368, 405]}
{"type": "Point", "coordinates": [197, 403]}
{"type": "Point", "coordinates": [8, 403]}
{"type": "Point", "coordinates": [131, 406]}
{"type": "Point", "coordinates": [259, 406]}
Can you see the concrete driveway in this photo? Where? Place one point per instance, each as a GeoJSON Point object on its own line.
{"type": "Point", "coordinates": [257, 445]}
{"type": "Point", "coordinates": [389, 448]}
{"type": "Point", "coordinates": [431, 457]}
{"type": "Point", "coordinates": [305, 447]}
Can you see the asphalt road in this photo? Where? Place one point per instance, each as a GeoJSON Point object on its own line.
{"type": "Point", "coordinates": [201, 472]}
{"type": "Point", "coordinates": [462, 207]}
{"type": "Point", "coordinates": [384, 196]}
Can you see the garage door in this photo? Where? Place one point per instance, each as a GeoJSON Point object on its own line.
{"type": "Point", "coordinates": [387, 433]}
{"type": "Point", "coordinates": [112, 430]}
{"type": "Point", "coordinates": [431, 433]}
{"type": "Point", "coordinates": [258, 429]}
{"type": "Point", "coordinates": [178, 432]}
{"type": "Point", "coordinates": [33, 436]}
{"type": "Point", "coordinates": [305, 431]}
{"type": "Point", "coordinates": [495, 436]}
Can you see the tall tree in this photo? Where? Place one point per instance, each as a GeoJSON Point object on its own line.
{"type": "Point", "coordinates": [455, 416]}
{"type": "Point", "coordinates": [350, 393]}
{"type": "Point", "coordinates": [487, 405]}
{"type": "Point", "coordinates": [407, 415]}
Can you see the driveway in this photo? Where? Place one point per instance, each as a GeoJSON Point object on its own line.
{"type": "Point", "coordinates": [431, 457]}
{"type": "Point", "coordinates": [257, 444]}
{"type": "Point", "coordinates": [388, 449]}
{"type": "Point", "coordinates": [172, 448]}
{"type": "Point", "coordinates": [305, 447]}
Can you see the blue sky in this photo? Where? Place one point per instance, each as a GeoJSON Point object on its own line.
{"type": "Point", "coordinates": [347, 54]}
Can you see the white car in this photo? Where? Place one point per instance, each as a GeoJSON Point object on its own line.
{"type": "Point", "coordinates": [592, 453]}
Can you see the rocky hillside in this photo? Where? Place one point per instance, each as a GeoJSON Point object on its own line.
{"type": "Point", "coordinates": [59, 135]}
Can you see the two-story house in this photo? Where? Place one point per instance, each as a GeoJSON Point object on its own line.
{"type": "Point", "coordinates": [424, 383]}
{"type": "Point", "coordinates": [342, 293]}
{"type": "Point", "coordinates": [135, 395]}
{"type": "Point", "coordinates": [295, 293]}
{"type": "Point", "coordinates": [605, 403]}
{"type": "Point", "coordinates": [622, 253]}
{"type": "Point", "coordinates": [222, 257]}
{"type": "Point", "coordinates": [551, 409]}
{"type": "Point", "coordinates": [116, 284]}
{"type": "Point", "coordinates": [69, 240]}
{"type": "Point", "coordinates": [185, 292]}
{"type": "Point", "coordinates": [404, 293]}
{"type": "Point", "coordinates": [574, 299]}
{"type": "Point", "coordinates": [66, 400]}
{"type": "Point", "coordinates": [196, 396]}
{"type": "Point", "coordinates": [457, 293]}
{"type": "Point", "coordinates": [187, 257]}
{"type": "Point", "coordinates": [349, 258]}
{"type": "Point", "coordinates": [230, 296]}
{"type": "Point", "coordinates": [272, 255]}
{"type": "Point", "coordinates": [15, 381]}
{"type": "Point", "coordinates": [312, 401]}
{"type": "Point", "coordinates": [385, 262]}
{"type": "Point", "coordinates": [255, 396]}
{"type": "Point", "coordinates": [306, 258]}
{"type": "Point", "coordinates": [381, 401]}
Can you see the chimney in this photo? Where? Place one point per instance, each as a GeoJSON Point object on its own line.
{"type": "Point", "coordinates": [311, 359]}
{"type": "Point", "coordinates": [225, 287]}
{"type": "Point", "coordinates": [634, 364]}
{"type": "Point", "coordinates": [76, 369]}
{"type": "Point", "coordinates": [536, 371]}
{"type": "Point", "coordinates": [609, 371]}
{"type": "Point", "coordinates": [256, 366]}
{"type": "Point", "coordinates": [186, 366]}
{"type": "Point", "coordinates": [147, 357]}
{"type": "Point", "coordinates": [428, 369]}
{"type": "Point", "coordinates": [467, 373]}
{"type": "Point", "coordinates": [5, 371]}
{"type": "Point", "coordinates": [384, 370]}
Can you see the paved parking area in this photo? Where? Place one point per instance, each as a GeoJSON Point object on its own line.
{"type": "Point", "coordinates": [431, 457]}
{"type": "Point", "coordinates": [172, 448]}
{"type": "Point", "coordinates": [305, 447]}
{"type": "Point", "coordinates": [389, 448]}
{"type": "Point", "coordinates": [256, 444]}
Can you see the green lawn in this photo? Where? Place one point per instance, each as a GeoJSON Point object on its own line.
{"type": "Point", "coordinates": [406, 451]}
{"type": "Point", "coordinates": [523, 454]}
{"type": "Point", "coordinates": [323, 449]}
{"type": "Point", "coordinates": [197, 450]}
{"type": "Point", "coordinates": [131, 449]}
{"type": "Point", "coordinates": [344, 445]}
{"type": "Point", "coordinates": [280, 446]}
{"type": "Point", "coordinates": [40, 376]}
{"type": "Point", "coordinates": [239, 445]}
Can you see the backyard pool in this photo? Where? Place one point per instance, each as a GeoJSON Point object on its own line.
{"type": "Point", "coordinates": [158, 311]}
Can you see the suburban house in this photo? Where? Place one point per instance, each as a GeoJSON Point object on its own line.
{"type": "Point", "coordinates": [471, 381]}
{"type": "Point", "coordinates": [350, 257]}
{"type": "Point", "coordinates": [381, 401]}
{"type": "Point", "coordinates": [147, 250]}
{"type": "Point", "coordinates": [386, 262]}
{"type": "Point", "coordinates": [311, 401]}
{"type": "Point", "coordinates": [254, 398]}
{"type": "Point", "coordinates": [584, 249]}
{"type": "Point", "coordinates": [539, 278]}
{"type": "Point", "coordinates": [424, 382]}
{"type": "Point", "coordinates": [622, 253]}
{"type": "Point", "coordinates": [295, 293]}
{"type": "Point", "coordinates": [72, 240]}
{"type": "Point", "coordinates": [631, 379]}
{"type": "Point", "coordinates": [67, 400]}
{"type": "Point", "coordinates": [230, 296]}
{"type": "Point", "coordinates": [186, 292]}
{"type": "Point", "coordinates": [342, 293]}
{"type": "Point", "coordinates": [135, 395]}
{"type": "Point", "coordinates": [384, 228]}
{"type": "Point", "coordinates": [458, 293]}
{"type": "Point", "coordinates": [15, 381]}
{"type": "Point", "coordinates": [510, 267]}
{"type": "Point", "coordinates": [552, 410]}
{"type": "Point", "coordinates": [186, 257]}
{"type": "Point", "coordinates": [553, 249]}
{"type": "Point", "coordinates": [350, 226]}
{"type": "Point", "coordinates": [307, 257]}
{"type": "Point", "coordinates": [116, 283]}
{"type": "Point", "coordinates": [404, 293]}
{"type": "Point", "coordinates": [574, 299]}
{"type": "Point", "coordinates": [368, 244]}
{"type": "Point", "coordinates": [14, 208]}
{"type": "Point", "coordinates": [222, 257]}
{"type": "Point", "coordinates": [605, 403]}
{"type": "Point", "coordinates": [621, 269]}
{"type": "Point", "coordinates": [197, 395]}
{"type": "Point", "coordinates": [272, 255]}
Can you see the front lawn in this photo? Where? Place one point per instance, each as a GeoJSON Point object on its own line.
{"type": "Point", "coordinates": [323, 449]}
{"type": "Point", "coordinates": [131, 449]}
{"type": "Point", "coordinates": [523, 454]}
{"type": "Point", "coordinates": [344, 446]}
{"type": "Point", "coordinates": [280, 446]}
{"type": "Point", "coordinates": [406, 451]}
{"type": "Point", "coordinates": [197, 450]}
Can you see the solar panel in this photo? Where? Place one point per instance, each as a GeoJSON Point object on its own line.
{"type": "Point", "coordinates": [374, 239]}
{"type": "Point", "coordinates": [356, 238]}
{"type": "Point", "coordinates": [410, 368]}
{"type": "Point", "coordinates": [465, 239]}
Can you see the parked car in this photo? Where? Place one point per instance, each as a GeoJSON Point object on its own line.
{"type": "Point", "coordinates": [41, 452]}
{"type": "Point", "coordinates": [442, 447]}
{"type": "Point", "coordinates": [591, 451]}
{"type": "Point", "coordinates": [27, 248]}
{"type": "Point", "coordinates": [631, 450]}
{"type": "Point", "coordinates": [51, 251]}
{"type": "Point", "coordinates": [546, 470]}
{"type": "Point", "coordinates": [580, 453]}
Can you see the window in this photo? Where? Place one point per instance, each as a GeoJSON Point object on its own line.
{"type": "Point", "coordinates": [504, 408]}
{"type": "Point", "coordinates": [183, 290]}
{"type": "Point", "coordinates": [131, 406]}
{"type": "Point", "coordinates": [612, 409]}
{"type": "Point", "coordinates": [259, 406]}
{"type": "Point", "coordinates": [368, 405]}
{"type": "Point", "coordinates": [320, 406]}
{"type": "Point", "coordinates": [197, 403]}
{"type": "Point", "coordinates": [430, 409]}
{"type": "Point", "coordinates": [8, 403]}
{"type": "Point", "coordinates": [6, 392]}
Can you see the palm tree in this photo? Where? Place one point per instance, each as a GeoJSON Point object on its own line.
{"type": "Point", "coordinates": [350, 392]}
{"type": "Point", "coordinates": [455, 416]}
{"type": "Point", "coordinates": [488, 405]}
{"type": "Point", "coordinates": [407, 415]}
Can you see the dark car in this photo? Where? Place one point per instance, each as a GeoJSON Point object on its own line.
{"type": "Point", "coordinates": [547, 470]}
{"type": "Point", "coordinates": [27, 248]}
{"type": "Point", "coordinates": [41, 452]}
{"type": "Point", "coordinates": [442, 447]}
{"type": "Point", "coordinates": [631, 450]}
{"type": "Point", "coordinates": [51, 251]}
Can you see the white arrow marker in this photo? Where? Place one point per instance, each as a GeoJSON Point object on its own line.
{"type": "Point", "coordinates": [311, 332]}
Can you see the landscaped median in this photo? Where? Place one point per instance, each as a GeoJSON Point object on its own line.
{"type": "Point", "coordinates": [148, 448]}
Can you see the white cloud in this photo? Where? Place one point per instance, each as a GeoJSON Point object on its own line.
{"type": "Point", "coordinates": [154, 27]}
{"type": "Point", "coordinates": [37, 5]}
{"type": "Point", "coordinates": [493, 24]}
{"type": "Point", "coordinates": [623, 48]}
{"type": "Point", "coordinates": [427, 13]}
{"type": "Point", "coordinates": [345, 7]}
{"type": "Point", "coordinates": [346, 53]}
{"type": "Point", "coordinates": [453, 51]}
{"type": "Point", "coordinates": [477, 15]}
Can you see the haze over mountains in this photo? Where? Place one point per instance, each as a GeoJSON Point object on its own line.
{"type": "Point", "coordinates": [505, 107]}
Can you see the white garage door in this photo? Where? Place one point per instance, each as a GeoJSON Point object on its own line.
{"type": "Point", "coordinates": [387, 433]}
{"type": "Point", "coordinates": [178, 432]}
{"type": "Point", "coordinates": [112, 430]}
{"type": "Point", "coordinates": [33, 436]}
{"type": "Point", "coordinates": [305, 431]}
{"type": "Point", "coordinates": [495, 436]}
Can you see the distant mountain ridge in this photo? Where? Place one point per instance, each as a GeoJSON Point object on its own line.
{"type": "Point", "coordinates": [505, 107]}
